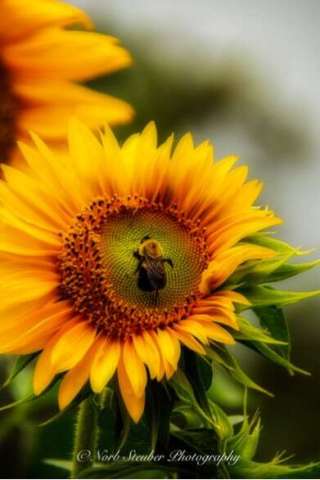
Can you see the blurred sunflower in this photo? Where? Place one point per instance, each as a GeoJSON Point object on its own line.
{"type": "Point", "coordinates": [39, 62]}
{"type": "Point", "coordinates": [115, 257]}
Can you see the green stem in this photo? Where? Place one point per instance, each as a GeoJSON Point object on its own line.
{"type": "Point", "coordinates": [86, 437]}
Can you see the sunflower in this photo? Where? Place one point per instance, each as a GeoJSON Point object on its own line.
{"type": "Point", "coordinates": [114, 258]}
{"type": "Point", "coordinates": [40, 60]}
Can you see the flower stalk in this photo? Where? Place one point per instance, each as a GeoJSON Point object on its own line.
{"type": "Point", "coordinates": [86, 437]}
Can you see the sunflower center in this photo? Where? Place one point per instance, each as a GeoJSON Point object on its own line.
{"type": "Point", "coordinates": [8, 110]}
{"type": "Point", "coordinates": [129, 265]}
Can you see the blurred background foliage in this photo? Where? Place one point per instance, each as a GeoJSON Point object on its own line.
{"type": "Point", "coordinates": [245, 107]}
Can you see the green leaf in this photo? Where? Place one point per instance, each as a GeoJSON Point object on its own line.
{"type": "Point", "coordinates": [274, 320]}
{"type": "Point", "coordinates": [273, 469]}
{"type": "Point", "coordinates": [130, 470]}
{"type": "Point", "coordinates": [20, 364]}
{"type": "Point", "coordinates": [262, 296]}
{"type": "Point", "coordinates": [59, 463]}
{"type": "Point", "coordinates": [225, 358]}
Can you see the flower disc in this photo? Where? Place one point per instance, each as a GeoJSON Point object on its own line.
{"type": "Point", "coordinates": [122, 236]}
{"type": "Point", "coordinates": [100, 270]}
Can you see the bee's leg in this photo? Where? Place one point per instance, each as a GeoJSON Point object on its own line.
{"type": "Point", "coordinates": [168, 261]}
{"type": "Point", "coordinates": [137, 255]}
{"type": "Point", "coordinates": [141, 260]}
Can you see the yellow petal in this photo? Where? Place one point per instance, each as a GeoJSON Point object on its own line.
{"type": "Point", "coordinates": [194, 328]}
{"type": "Point", "coordinates": [72, 346]}
{"type": "Point", "coordinates": [65, 54]}
{"type": "Point", "coordinates": [229, 235]}
{"type": "Point", "coordinates": [217, 315]}
{"type": "Point", "coordinates": [26, 17]}
{"type": "Point", "coordinates": [37, 288]}
{"type": "Point", "coordinates": [133, 403]}
{"type": "Point", "coordinates": [75, 379]}
{"type": "Point", "coordinates": [104, 364]}
{"type": "Point", "coordinates": [135, 369]}
{"type": "Point", "coordinates": [235, 297]}
{"type": "Point", "coordinates": [153, 355]}
{"type": "Point", "coordinates": [226, 262]}
{"type": "Point", "coordinates": [91, 107]}
{"type": "Point", "coordinates": [36, 331]}
{"type": "Point", "coordinates": [169, 347]}
{"type": "Point", "coordinates": [146, 355]}
{"type": "Point", "coordinates": [189, 341]}
{"type": "Point", "coordinates": [217, 333]}
{"type": "Point", "coordinates": [44, 371]}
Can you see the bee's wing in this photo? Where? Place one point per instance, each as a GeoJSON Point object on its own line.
{"type": "Point", "coordinates": [156, 273]}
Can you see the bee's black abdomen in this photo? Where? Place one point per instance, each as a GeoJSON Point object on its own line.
{"type": "Point", "coordinates": [152, 276]}
{"type": "Point", "coordinates": [144, 281]}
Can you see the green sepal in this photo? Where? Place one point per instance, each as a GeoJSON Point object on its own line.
{"type": "Point", "coordinates": [20, 364]}
{"type": "Point", "coordinates": [248, 331]}
{"type": "Point", "coordinates": [279, 246]}
{"type": "Point", "coordinates": [263, 296]}
{"type": "Point", "coordinates": [222, 424]}
{"type": "Point", "coordinates": [274, 469]}
{"type": "Point", "coordinates": [288, 270]}
{"type": "Point", "coordinates": [245, 442]}
{"type": "Point", "coordinates": [199, 373]}
{"type": "Point", "coordinates": [21, 401]}
{"type": "Point", "coordinates": [82, 395]}
{"type": "Point", "coordinates": [225, 358]}
{"type": "Point", "coordinates": [159, 405]}
{"type": "Point", "coordinates": [202, 440]}
{"type": "Point", "coordinates": [255, 272]}
{"type": "Point", "coordinates": [275, 321]}
{"type": "Point", "coordinates": [214, 418]}
{"type": "Point", "coordinates": [272, 355]}
{"type": "Point", "coordinates": [272, 269]}
{"type": "Point", "coordinates": [249, 448]}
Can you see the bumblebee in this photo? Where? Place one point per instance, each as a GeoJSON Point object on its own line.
{"type": "Point", "coordinates": [151, 270]}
